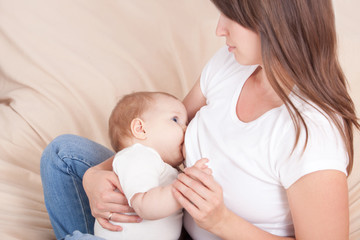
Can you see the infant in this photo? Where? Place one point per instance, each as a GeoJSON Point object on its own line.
{"type": "Point", "coordinates": [147, 131]}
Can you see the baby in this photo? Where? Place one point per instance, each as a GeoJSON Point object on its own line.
{"type": "Point", "coordinates": [147, 131]}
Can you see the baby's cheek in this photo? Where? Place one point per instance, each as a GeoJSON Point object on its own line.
{"type": "Point", "coordinates": [184, 151]}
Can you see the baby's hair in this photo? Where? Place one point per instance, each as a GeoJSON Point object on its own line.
{"type": "Point", "coordinates": [129, 107]}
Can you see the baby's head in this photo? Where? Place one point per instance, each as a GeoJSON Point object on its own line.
{"type": "Point", "coordinates": [154, 119]}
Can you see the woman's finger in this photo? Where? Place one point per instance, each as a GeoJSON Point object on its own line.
{"type": "Point", "coordinates": [109, 226]}
{"type": "Point", "coordinates": [210, 209]}
{"type": "Point", "coordinates": [114, 197]}
{"type": "Point", "coordinates": [185, 203]}
{"type": "Point", "coordinates": [187, 192]}
{"type": "Point", "coordinates": [113, 178]}
{"type": "Point", "coordinates": [191, 188]}
{"type": "Point", "coordinates": [201, 164]}
{"type": "Point", "coordinates": [125, 218]}
{"type": "Point", "coordinates": [114, 208]}
{"type": "Point", "coordinates": [120, 218]}
{"type": "Point", "coordinates": [206, 179]}
{"type": "Point", "coordinates": [110, 202]}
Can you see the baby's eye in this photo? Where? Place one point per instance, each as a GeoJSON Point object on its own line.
{"type": "Point", "coordinates": [175, 119]}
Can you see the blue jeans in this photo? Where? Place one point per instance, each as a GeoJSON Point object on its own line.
{"type": "Point", "coordinates": [63, 164]}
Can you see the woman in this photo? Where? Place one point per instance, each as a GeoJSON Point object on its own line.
{"type": "Point", "coordinates": [291, 135]}
{"type": "Point", "coordinates": [284, 148]}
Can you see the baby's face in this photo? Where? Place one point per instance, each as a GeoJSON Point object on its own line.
{"type": "Point", "coordinates": [165, 124]}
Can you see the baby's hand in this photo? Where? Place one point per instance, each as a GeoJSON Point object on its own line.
{"type": "Point", "coordinates": [201, 164]}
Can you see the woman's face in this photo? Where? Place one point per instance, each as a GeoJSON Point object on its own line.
{"type": "Point", "coordinates": [242, 42]}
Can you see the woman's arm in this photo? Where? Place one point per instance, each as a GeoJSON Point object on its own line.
{"type": "Point", "coordinates": [318, 202]}
{"type": "Point", "coordinates": [194, 100]}
{"type": "Point", "coordinates": [105, 165]}
{"type": "Point", "coordinates": [319, 205]}
{"type": "Point", "coordinates": [100, 184]}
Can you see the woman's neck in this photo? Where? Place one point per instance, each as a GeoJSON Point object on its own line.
{"type": "Point", "coordinates": [257, 97]}
{"type": "Point", "coordinates": [263, 87]}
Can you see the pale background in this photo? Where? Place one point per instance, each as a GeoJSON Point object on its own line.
{"type": "Point", "coordinates": [64, 64]}
{"type": "Point", "coordinates": [348, 17]}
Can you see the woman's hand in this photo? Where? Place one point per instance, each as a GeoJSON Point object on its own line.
{"type": "Point", "coordinates": [105, 196]}
{"type": "Point", "coordinates": [201, 196]}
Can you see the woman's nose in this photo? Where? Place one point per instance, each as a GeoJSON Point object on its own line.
{"type": "Point", "coordinates": [221, 29]}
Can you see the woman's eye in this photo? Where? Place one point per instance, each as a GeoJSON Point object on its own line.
{"type": "Point", "coordinates": [175, 119]}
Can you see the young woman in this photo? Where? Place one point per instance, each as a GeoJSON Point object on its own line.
{"type": "Point", "coordinates": [272, 114]}
{"type": "Point", "coordinates": [279, 158]}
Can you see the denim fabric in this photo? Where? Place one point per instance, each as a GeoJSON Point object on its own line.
{"type": "Point", "coordinates": [77, 235]}
{"type": "Point", "coordinates": [63, 164]}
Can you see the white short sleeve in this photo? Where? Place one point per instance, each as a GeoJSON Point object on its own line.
{"type": "Point", "coordinates": [325, 150]}
{"type": "Point", "coordinates": [138, 168]}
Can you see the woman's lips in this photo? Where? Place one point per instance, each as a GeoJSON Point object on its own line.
{"type": "Point", "coordinates": [230, 48]}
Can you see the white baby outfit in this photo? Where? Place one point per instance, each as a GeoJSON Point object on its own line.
{"type": "Point", "coordinates": [139, 169]}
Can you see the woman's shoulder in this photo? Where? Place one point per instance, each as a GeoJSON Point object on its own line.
{"type": "Point", "coordinates": [319, 131]}
{"type": "Point", "coordinates": [319, 145]}
{"type": "Point", "coordinates": [315, 118]}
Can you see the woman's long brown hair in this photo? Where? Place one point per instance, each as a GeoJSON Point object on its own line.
{"type": "Point", "coordinates": [299, 47]}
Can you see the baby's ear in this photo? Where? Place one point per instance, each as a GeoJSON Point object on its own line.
{"type": "Point", "coordinates": [137, 128]}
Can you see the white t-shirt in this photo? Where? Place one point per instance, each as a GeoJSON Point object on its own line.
{"type": "Point", "coordinates": [140, 169]}
{"type": "Point", "coordinates": [251, 161]}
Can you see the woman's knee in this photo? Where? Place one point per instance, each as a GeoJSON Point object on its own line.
{"type": "Point", "coordinates": [50, 158]}
{"type": "Point", "coordinates": [51, 151]}
{"type": "Point", "coordinates": [69, 146]}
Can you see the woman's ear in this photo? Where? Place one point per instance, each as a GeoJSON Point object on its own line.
{"type": "Point", "coordinates": [137, 129]}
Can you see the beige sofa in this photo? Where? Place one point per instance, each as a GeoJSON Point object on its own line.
{"type": "Point", "coordinates": [64, 64]}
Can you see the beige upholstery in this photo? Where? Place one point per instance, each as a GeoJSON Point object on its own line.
{"type": "Point", "coordinates": [64, 64]}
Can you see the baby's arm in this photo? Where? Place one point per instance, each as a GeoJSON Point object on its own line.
{"type": "Point", "coordinates": [156, 203]}
{"type": "Point", "coordinates": [159, 202]}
